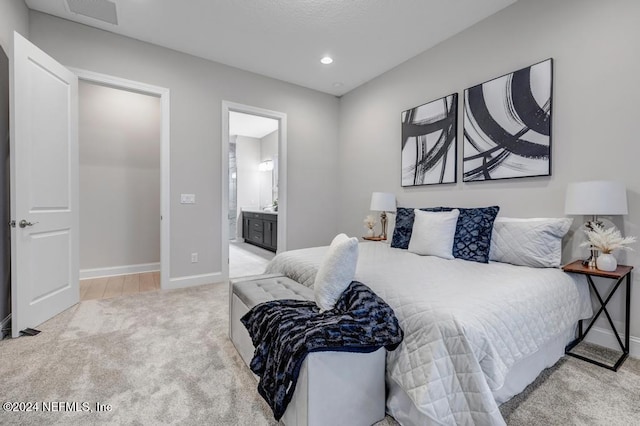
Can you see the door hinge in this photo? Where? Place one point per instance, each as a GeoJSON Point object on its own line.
{"type": "Point", "coordinates": [12, 223]}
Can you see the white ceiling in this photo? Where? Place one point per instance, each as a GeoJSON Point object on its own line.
{"type": "Point", "coordinates": [285, 39]}
{"type": "Point", "coordinates": [251, 125]}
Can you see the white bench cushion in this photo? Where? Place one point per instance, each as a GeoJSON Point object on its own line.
{"type": "Point", "coordinates": [269, 287]}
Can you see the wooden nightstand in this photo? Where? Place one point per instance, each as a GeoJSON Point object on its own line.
{"type": "Point", "coordinates": [622, 273]}
{"type": "Point", "coordinates": [374, 239]}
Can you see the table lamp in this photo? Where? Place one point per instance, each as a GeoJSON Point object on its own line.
{"type": "Point", "coordinates": [383, 202]}
{"type": "Point", "coordinates": [596, 198]}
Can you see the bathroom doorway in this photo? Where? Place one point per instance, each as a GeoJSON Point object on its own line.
{"type": "Point", "coordinates": [253, 171]}
{"type": "Point", "coordinates": [254, 144]}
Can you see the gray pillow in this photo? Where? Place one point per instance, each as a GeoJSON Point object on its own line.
{"type": "Point", "coordinates": [533, 242]}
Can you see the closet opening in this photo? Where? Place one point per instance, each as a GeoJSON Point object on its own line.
{"type": "Point", "coordinates": [119, 137]}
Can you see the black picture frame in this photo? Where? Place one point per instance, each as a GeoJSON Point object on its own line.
{"type": "Point", "coordinates": [429, 150]}
{"type": "Point", "coordinates": [507, 125]}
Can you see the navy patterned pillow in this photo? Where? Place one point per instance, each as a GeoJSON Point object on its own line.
{"type": "Point", "coordinates": [404, 226]}
{"type": "Point", "coordinates": [473, 233]}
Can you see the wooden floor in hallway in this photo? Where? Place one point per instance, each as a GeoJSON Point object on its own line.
{"type": "Point", "coordinates": [106, 287]}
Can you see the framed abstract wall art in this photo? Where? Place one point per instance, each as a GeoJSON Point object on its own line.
{"type": "Point", "coordinates": [429, 142]}
{"type": "Point", "coordinates": [507, 125]}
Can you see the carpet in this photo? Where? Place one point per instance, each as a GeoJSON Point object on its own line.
{"type": "Point", "coordinates": [164, 358]}
{"type": "Point", "coordinates": [157, 358]}
{"type": "Point", "coordinates": [574, 392]}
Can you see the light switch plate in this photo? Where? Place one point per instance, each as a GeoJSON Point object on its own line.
{"type": "Point", "coordinates": [187, 198]}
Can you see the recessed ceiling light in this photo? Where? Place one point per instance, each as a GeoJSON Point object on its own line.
{"type": "Point", "coordinates": [326, 60]}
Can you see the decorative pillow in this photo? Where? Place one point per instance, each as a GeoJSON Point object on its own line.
{"type": "Point", "coordinates": [391, 225]}
{"type": "Point", "coordinates": [533, 242]}
{"type": "Point", "coordinates": [336, 271]}
{"type": "Point", "coordinates": [404, 226]}
{"type": "Point", "coordinates": [473, 233]}
{"type": "Point", "coordinates": [433, 233]}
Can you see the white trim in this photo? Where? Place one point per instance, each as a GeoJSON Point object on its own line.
{"type": "Point", "coordinates": [165, 154]}
{"type": "Point", "coordinates": [194, 280]}
{"type": "Point", "coordinates": [113, 271]}
{"type": "Point", "coordinates": [603, 337]}
{"type": "Point", "coordinates": [282, 176]}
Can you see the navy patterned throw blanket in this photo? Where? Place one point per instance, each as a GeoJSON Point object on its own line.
{"type": "Point", "coordinates": [285, 331]}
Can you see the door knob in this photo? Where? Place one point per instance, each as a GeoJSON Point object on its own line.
{"type": "Point", "coordinates": [23, 223]}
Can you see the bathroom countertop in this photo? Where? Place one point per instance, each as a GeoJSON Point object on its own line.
{"type": "Point", "coordinates": [256, 210]}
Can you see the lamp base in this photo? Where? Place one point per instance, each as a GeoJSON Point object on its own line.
{"type": "Point", "coordinates": [591, 262]}
{"type": "Point", "coordinates": [383, 222]}
{"type": "Point", "coordinates": [591, 225]}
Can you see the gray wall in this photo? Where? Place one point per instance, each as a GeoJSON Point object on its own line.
{"type": "Point", "coordinates": [197, 90]}
{"type": "Point", "coordinates": [268, 151]}
{"type": "Point", "coordinates": [119, 138]}
{"type": "Point", "coordinates": [13, 16]}
{"type": "Point", "coordinates": [248, 176]}
{"type": "Point", "coordinates": [595, 114]}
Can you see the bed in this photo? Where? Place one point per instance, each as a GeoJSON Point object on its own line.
{"type": "Point", "coordinates": [476, 334]}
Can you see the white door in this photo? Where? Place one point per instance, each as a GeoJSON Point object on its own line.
{"type": "Point", "coordinates": [44, 187]}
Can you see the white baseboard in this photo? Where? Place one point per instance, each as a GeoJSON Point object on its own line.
{"type": "Point", "coordinates": [194, 280]}
{"type": "Point", "coordinates": [119, 270]}
{"type": "Point", "coordinates": [603, 337]}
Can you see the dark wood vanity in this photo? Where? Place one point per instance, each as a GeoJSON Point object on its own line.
{"type": "Point", "coordinates": [260, 229]}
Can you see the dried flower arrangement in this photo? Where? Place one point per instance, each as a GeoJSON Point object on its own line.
{"type": "Point", "coordinates": [606, 240]}
{"type": "Point", "coordinates": [369, 222]}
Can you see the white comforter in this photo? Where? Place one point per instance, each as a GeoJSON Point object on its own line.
{"type": "Point", "coordinates": [466, 324]}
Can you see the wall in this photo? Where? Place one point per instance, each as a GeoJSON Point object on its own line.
{"type": "Point", "coordinates": [595, 114]}
{"type": "Point", "coordinates": [254, 187]}
{"type": "Point", "coordinates": [197, 89]}
{"type": "Point", "coordinates": [14, 16]}
{"type": "Point", "coordinates": [247, 160]}
{"type": "Point", "coordinates": [268, 151]}
{"type": "Point", "coordinates": [119, 138]}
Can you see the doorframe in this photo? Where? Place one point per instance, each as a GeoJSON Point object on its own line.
{"type": "Point", "coordinates": [165, 154]}
{"type": "Point", "coordinates": [281, 117]}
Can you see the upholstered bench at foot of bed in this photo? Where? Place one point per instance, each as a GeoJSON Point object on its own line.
{"type": "Point", "coordinates": [337, 388]}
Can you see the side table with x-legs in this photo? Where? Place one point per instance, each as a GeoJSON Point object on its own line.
{"type": "Point", "coordinates": [621, 274]}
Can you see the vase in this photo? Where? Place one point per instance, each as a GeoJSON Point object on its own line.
{"type": "Point", "coordinates": [606, 262]}
{"type": "Point", "coordinates": [370, 232]}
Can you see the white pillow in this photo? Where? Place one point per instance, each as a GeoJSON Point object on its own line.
{"type": "Point", "coordinates": [533, 242]}
{"type": "Point", "coordinates": [336, 271]}
{"type": "Point", "coordinates": [433, 233]}
{"type": "Point", "coordinates": [391, 226]}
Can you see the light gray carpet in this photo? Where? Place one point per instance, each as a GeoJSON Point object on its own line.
{"type": "Point", "coordinates": [157, 358]}
{"type": "Point", "coordinates": [164, 358]}
{"type": "Point", "coordinates": [574, 392]}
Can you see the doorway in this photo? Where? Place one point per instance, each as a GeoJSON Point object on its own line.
{"type": "Point", "coordinates": [132, 166]}
{"type": "Point", "coordinates": [119, 158]}
{"type": "Point", "coordinates": [254, 188]}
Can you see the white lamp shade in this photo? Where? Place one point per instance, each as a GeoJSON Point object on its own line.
{"type": "Point", "coordinates": [383, 202]}
{"type": "Point", "coordinates": [596, 198]}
